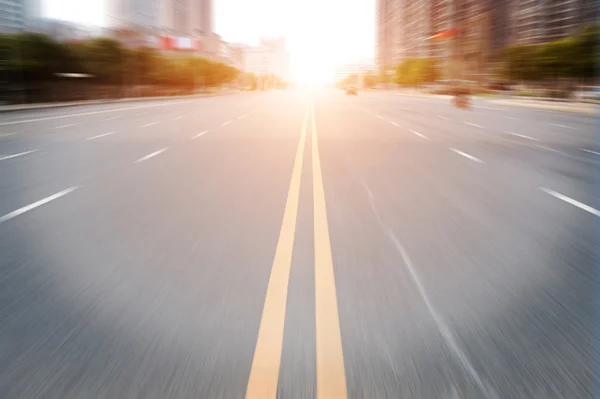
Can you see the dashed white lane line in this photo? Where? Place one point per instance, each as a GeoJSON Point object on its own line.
{"type": "Point", "coordinates": [2, 158]}
{"type": "Point", "coordinates": [99, 136]}
{"type": "Point", "coordinates": [149, 124]}
{"type": "Point", "coordinates": [41, 202]}
{"type": "Point", "coordinates": [522, 136]}
{"type": "Point", "coordinates": [64, 126]}
{"type": "Point", "coordinates": [563, 126]}
{"type": "Point", "coordinates": [442, 117]}
{"type": "Point", "coordinates": [379, 116]}
{"type": "Point", "coordinates": [179, 117]}
{"type": "Point", "coordinates": [474, 124]}
{"type": "Point", "coordinates": [155, 153]}
{"type": "Point", "coordinates": [512, 118]}
{"type": "Point", "coordinates": [141, 113]}
{"type": "Point", "coordinates": [200, 134]}
{"type": "Point", "coordinates": [394, 123]}
{"type": "Point", "coordinates": [7, 134]}
{"type": "Point", "coordinates": [590, 151]}
{"type": "Point", "coordinates": [571, 201]}
{"type": "Point", "coordinates": [492, 108]}
{"type": "Point", "coordinates": [225, 123]}
{"type": "Point", "coordinates": [419, 134]}
{"type": "Point", "coordinates": [112, 118]}
{"type": "Point", "coordinates": [468, 156]}
{"type": "Point", "coordinates": [241, 116]}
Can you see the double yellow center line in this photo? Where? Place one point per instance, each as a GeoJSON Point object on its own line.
{"type": "Point", "coordinates": [331, 376]}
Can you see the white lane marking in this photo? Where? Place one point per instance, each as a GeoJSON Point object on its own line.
{"type": "Point", "coordinates": [424, 113]}
{"type": "Point", "coordinates": [241, 116]}
{"type": "Point", "coordinates": [2, 158]}
{"type": "Point", "coordinates": [439, 321]}
{"type": "Point", "coordinates": [37, 203]}
{"type": "Point", "coordinates": [111, 118]}
{"type": "Point", "coordinates": [571, 201]}
{"type": "Point", "coordinates": [563, 126]}
{"type": "Point", "coordinates": [474, 124]}
{"type": "Point", "coordinates": [492, 108]}
{"type": "Point", "coordinates": [522, 136]}
{"type": "Point", "coordinates": [394, 123]}
{"type": "Point", "coordinates": [512, 118]}
{"type": "Point", "coordinates": [442, 117]}
{"type": "Point", "coordinates": [155, 153]}
{"type": "Point", "coordinates": [149, 124]}
{"type": "Point", "coordinates": [464, 154]}
{"type": "Point", "coordinates": [7, 134]}
{"type": "Point", "coordinates": [445, 331]}
{"type": "Point", "coordinates": [179, 117]}
{"type": "Point", "coordinates": [590, 151]}
{"type": "Point", "coordinates": [141, 113]}
{"type": "Point", "coordinates": [64, 126]}
{"type": "Point", "coordinates": [225, 123]}
{"type": "Point", "coordinates": [379, 116]}
{"type": "Point", "coordinates": [99, 136]}
{"type": "Point", "coordinates": [200, 134]}
{"type": "Point", "coordinates": [418, 134]}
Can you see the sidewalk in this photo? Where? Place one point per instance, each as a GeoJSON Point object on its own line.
{"type": "Point", "coordinates": [583, 108]}
{"type": "Point", "coordinates": [25, 107]}
{"type": "Point", "coordinates": [539, 103]}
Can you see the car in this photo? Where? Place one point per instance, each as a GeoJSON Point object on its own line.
{"type": "Point", "coordinates": [351, 90]}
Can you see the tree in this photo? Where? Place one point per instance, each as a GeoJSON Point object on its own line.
{"type": "Point", "coordinates": [105, 59]}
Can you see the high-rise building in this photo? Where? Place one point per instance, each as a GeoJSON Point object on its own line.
{"type": "Point", "coordinates": [406, 29]}
{"type": "Point", "coordinates": [19, 15]}
{"type": "Point", "coordinates": [536, 21]}
{"type": "Point", "coordinates": [12, 16]}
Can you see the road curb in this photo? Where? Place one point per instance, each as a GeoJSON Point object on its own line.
{"type": "Point", "coordinates": [30, 107]}
{"type": "Point", "coordinates": [588, 109]}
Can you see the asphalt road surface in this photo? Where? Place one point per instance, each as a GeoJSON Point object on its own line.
{"type": "Point", "coordinates": [297, 244]}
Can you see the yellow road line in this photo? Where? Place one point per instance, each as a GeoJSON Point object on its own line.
{"type": "Point", "coordinates": [331, 375]}
{"type": "Point", "coordinates": [264, 374]}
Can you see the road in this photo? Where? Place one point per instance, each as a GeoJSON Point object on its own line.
{"type": "Point", "coordinates": [297, 244]}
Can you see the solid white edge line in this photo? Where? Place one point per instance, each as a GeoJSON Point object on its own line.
{"type": "Point", "coordinates": [444, 329]}
{"type": "Point", "coordinates": [2, 158]}
{"type": "Point", "coordinates": [468, 156]}
{"type": "Point", "coordinates": [37, 203]}
{"type": "Point", "coordinates": [99, 136]}
{"type": "Point", "coordinates": [590, 151]}
{"type": "Point", "coordinates": [522, 136]}
{"type": "Point", "coordinates": [200, 134]}
{"type": "Point", "coordinates": [149, 124]}
{"type": "Point", "coordinates": [419, 134]}
{"type": "Point", "coordinates": [155, 153]}
{"type": "Point", "coordinates": [571, 201]}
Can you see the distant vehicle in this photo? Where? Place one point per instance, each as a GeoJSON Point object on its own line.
{"type": "Point", "coordinates": [351, 90]}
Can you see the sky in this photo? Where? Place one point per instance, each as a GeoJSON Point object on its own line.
{"type": "Point", "coordinates": [320, 34]}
